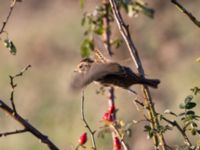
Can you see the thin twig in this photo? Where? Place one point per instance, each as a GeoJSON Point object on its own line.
{"type": "Point", "coordinates": [13, 86]}
{"type": "Point", "coordinates": [174, 123]}
{"type": "Point", "coordinates": [12, 132]}
{"type": "Point", "coordinates": [8, 16]}
{"type": "Point", "coordinates": [124, 30]}
{"type": "Point", "coordinates": [27, 126]}
{"type": "Point", "coordinates": [85, 122]}
{"type": "Point", "coordinates": [107, 43]}
{"type": "Point", "coordinates": [107, 33]}
{"type": "Point", "coordinates": [186, 12]}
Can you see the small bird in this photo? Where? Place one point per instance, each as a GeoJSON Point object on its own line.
{"type": "Point", "coordinates": [107, 73]}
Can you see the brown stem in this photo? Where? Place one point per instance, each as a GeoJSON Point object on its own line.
{"type": "Point", "coordinates": [13, 132]}
{"type": "Point", "coordinates": [107, 34]}
{"type": "Point", "coordinates": [8, 16]}
{"type": "Point", "coordinates": [85, 122]}
{"type": "Point", "coordinates": [124, 30]}
{"type": "Point", "coordinates": [27, 126]}
{"type": "Point", "coordinates": [182, 131]}
{"type": "Point", "coordinates": [13, 85]}
{"type": "Point", "coordinates": [186, 12]}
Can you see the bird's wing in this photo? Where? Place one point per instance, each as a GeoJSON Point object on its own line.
{"type": "Point", "coordinates": [97, 71]}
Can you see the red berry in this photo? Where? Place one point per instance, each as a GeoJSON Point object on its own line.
{"type": "Point", "coordinates": [83, 139]}
{"type": "Point", "coordinates": [117, 143]}
{"type": "Point", "coordinates": [111, 109]}
{"type": "Point", "coordinates": [107, 116]}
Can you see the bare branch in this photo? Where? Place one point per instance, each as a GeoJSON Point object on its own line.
{"type": "Point", "coordinates": [186, 12]}
{"type": "Point", "coordinates": [107, 34]}
{"type": "Point", "coordinates": [27, 126]}
{"type": "Point", "coordinates": [124, 30]}
{"type": "Point", "coordinates": [12, 132]}
{"type": "Point", "coordinates": [13, 85]}
{"type": "Point", "coordinates": [85, 122]}
{"type": "Point", "coordinates": [8, 16]}
{"type": "Point", "coordinates": [174, 123]}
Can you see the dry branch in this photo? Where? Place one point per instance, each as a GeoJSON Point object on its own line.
{"type": "Point", "coordinates": [124, 30]}
{"type": "Point", "coordinates": [27, 126]}
{"type": "Point", "coordinates": [186, 12]}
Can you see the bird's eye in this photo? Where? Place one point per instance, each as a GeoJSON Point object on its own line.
{"type": "Point", "coordinates": [81, 66]}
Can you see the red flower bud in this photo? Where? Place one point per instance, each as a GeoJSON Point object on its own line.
{"type": "Point", "coordinates": [83, 139]}
{"type": "Point", "coordinates": [111, 109]}
{"type": "Point", "coordinates": [107, 116]}
{"type": "Point", "coordinates": [117, 143]}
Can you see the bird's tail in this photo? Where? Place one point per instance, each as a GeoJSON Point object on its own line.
{"type": "Point", "coordinates": [151, 82]}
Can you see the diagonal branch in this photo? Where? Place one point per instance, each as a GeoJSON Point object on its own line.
{"type": "Point", "coordinates": [8, 16]}
{"type": "Point", "coordinates": [124, 30]}
{"type": "Point", "coordinates": [85, 122]}
{"type": "Point", "coordinates": [12, 132]}
{"type": "Point", "coordinates": [174, 123]}
{"type": "Point", "coordinates": [186, 12]}
{"type": "Point", "coordinates": [27, 126]}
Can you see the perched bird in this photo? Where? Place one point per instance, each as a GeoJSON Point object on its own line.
{"type": "Point", "coordinates": [107, 73]}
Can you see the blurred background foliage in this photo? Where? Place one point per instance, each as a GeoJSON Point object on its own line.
{"type": "Point", "coordinates": [48, 35]}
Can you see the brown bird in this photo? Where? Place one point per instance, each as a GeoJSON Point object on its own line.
{"type": "Point", "coordinates": [108, 74]}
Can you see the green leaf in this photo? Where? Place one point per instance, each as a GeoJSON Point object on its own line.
{"type": "Point", "coordinates": [99, 29]}
{"type": "Point", "coordinates": [194, 131]}
{"type": "Point", "coordinates": [147, 128]}
{"type": "Point", "coordinates": [182, 106]}
{"type": "Point", "coordinates": [82, 2]}
{"type": "Point", "coordinates": [194, 125]}
{"type": "Point", "coordinates": [190, 105]}
{"type": "Point", "coordinates": [198, 131]}
{"type": "Point", "coordinates": [188, 99]}
{"type": "Point", "coordinates": [196, 90]}
{"type": "Point", "coordinates": [117, 43]}
{"type": "Point", "coordinates": [190, 112]}
{"type": "Point", "coordinates": [10, 45]}
{"type": "Point", "coordinates": [86, 47]}
{"type": "Point", "coordinates": [83, 20]}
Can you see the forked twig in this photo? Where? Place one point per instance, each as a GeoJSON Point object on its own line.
{"type": "Point", "coordinates": [27, 126]}
{"type": "Point", "coordinates": [174, 123]}
{"type": "Point", "coordinates": [13, 85]}
{"type": "Point", "coordinates": [13, 113]}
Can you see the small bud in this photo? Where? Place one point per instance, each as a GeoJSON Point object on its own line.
{"type": "Point", "coordinates": [107, 116]}
{"type": "Point", "coordinates": [111, 109]}
{"type": "Point", "coordinates": [117, 143]}
{"type": "Point", "coordinates": [83, 139]}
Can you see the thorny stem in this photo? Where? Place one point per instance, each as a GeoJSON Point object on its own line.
{"type": "Point", "coordinates": [186, 12]}
{"type": "Point", "coordinates": [107, 43]}
{"type": "Point", "coordinates": [174, 123]}
{"type": "Point", "coordinates": [124, 30]}
{"type": "Point", "coordinates": [85, 122]}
